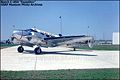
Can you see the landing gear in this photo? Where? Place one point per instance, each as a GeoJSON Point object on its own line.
{"type": "Point", "coordinates": [20, 49]}
{"type": "Point", "coordinates": [37, 50]}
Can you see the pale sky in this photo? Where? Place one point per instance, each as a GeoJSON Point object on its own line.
{"type": "Point", "coordinates": [102, 17]}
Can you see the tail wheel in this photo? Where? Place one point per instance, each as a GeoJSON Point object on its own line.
{"type": "Point", "coordinates": [74, 49]}
{"type": "Point", "coordinates": [37, 50]}
{"type": "Point", "coordinates": [20, 49]}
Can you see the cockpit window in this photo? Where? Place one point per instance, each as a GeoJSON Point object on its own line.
{"type": "Point", "coordinates": [42, 33]}
{"type": "Point", "coordinates": [31, 30]}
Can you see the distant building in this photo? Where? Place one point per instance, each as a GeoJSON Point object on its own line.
{"type": "Point", "coordinates": [115, 38]}
{"type": "Point", "coordinates": [103, 42]}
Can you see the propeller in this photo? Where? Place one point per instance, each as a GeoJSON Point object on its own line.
{"type": "Point", "coordinates": [91, 43]}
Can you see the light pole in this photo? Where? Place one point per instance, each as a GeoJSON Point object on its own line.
{"type": "Point", "coordinates": [103, 36]}
{"type": "Point", "coordinates": [13, 27]}
{"type": "Point", "coordinates": [60, 25]}
{"type": "Point", "coordinates": [88, 31]}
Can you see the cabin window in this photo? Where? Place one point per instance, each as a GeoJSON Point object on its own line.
{"type": "Point", "coordinates": [47, 35]}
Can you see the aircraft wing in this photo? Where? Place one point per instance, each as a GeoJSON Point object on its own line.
{"type": "Point", "coordinates": [69, 40]}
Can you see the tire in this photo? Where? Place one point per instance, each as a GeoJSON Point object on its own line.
{"type": "Point", "coordinates": [37, 50]}
{"type": "Point", "coordinates": [20, 49]}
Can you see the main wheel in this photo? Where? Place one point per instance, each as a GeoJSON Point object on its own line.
{"type": "Point", "coordinates": [37, 50]}
{"type": "Point", "coordinates": [20, 49]}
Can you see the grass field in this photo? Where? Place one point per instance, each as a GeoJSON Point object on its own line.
{"type": "Point", "coordinates": [101, 47]}
{"type": "Point", "coordinates": [6, 45]}
{"type": "Point", "coordinates": [63, 74]}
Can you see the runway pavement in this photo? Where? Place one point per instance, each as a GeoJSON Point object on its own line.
{"type": "Point", "coordinates": [57, 58]}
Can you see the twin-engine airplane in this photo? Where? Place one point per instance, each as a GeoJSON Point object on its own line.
{"type": "Point", "coordinates": [35, 37]}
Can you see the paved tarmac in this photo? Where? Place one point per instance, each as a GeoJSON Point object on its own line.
{"type": "Point", "coordinates": [57, 58]}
